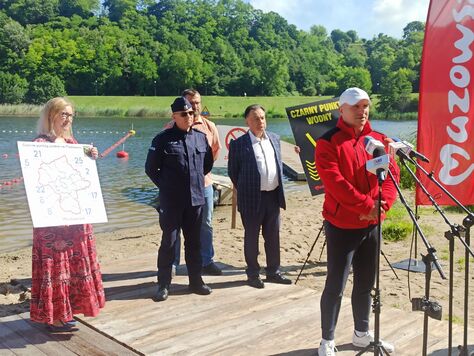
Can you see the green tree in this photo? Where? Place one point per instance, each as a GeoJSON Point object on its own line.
{"type": "Point", "coordinates": [382, 54]}
{"type": "Point", "coordinates": [32, 11]}
{"type": "Point", "coordinates": [14, 42]}
{"type": "Point", "coordinates": [13, 88]}
{"type": "Point", "coordinates": [355, 77]}
{"type": "Point", "coordinates": [116, 9]}
{"type": "Point", "coordinates": [413, 27]}
{"type": "Point", "coordinates": [224, 47]}
{"type": "Point", "coordinates": [45, 87]}
{"type": "Point", "coordinates": [396, 92]}
{"type": "Point", "coordinates": [274, 72]}
{"type": "Point", "coordinates": [181, 69]}
{"type": "Point", "coordinates": [355, 55]}
{"type": "Point", "coordinates": [82, 8]}
{"type": "Point", "coordinates": [341, 40]}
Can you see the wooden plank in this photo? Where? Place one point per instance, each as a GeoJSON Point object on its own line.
{"type": "Point", "coordinates": [292, 166]}
{"type": "Point", "coordinates": [4, 350]}
{"type": "Point", "coordinates": [23, 337]}
{"type": "Point", "coordinates": [237, 319]}
{"type": "Point", "coordinates": [37, 336]}
{"type": "Point", "coordinates": [15, 342]}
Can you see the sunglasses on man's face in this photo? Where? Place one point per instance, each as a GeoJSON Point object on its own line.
{"type": "Point", "coordinates": [186, 113]}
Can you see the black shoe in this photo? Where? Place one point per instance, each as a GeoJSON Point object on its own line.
{"type": "Point", "coordinates": [212, 270]}
{"type": "Point", "coordinates": [162, 293]}
{"type": "Point", "coordinates": [278, 278]}
{"type": "Point", "coordinates": [255, 282]}
{"type": "Point", "coordinates": [201, 289]}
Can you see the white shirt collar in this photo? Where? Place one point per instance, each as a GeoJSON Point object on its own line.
{"type": "Point", "coordinates": [255, 139]}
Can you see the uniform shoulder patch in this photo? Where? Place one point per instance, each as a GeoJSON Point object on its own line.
{"type": "Point", "coordinates": [330, 133]}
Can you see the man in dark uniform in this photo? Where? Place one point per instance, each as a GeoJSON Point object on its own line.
{"type": "Point", "coordinates": [177, 161]}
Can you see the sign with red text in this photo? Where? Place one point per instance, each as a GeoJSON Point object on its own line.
{"type": "Point", "coordinates": [446, 115]}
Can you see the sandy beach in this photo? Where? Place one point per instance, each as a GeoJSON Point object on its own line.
{"type": "Point", "coordinates": [300, 225]}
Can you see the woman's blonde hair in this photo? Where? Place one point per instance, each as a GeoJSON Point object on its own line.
{"type": "Point", "coordinates": [50, 111]}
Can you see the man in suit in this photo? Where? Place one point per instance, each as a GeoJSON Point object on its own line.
{"type": "Point", "coordinates": [255, 169]}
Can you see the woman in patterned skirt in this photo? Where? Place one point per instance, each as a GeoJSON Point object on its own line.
{"type": "Point", "coordinates": [66, 278]}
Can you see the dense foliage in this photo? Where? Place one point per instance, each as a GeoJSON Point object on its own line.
{"type": "Point", "coordinates": [221, 47]}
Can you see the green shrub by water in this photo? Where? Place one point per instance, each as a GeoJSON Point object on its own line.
{"type": "Point", "coordinates": [397, 225]}
{"type": "Point", "coordinates": [396, 231]}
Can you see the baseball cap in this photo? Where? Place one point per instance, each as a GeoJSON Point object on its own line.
{"type": "Point", "coordinates": [352, 96]}
{"type": "Point", "coordinates": [181, 104]}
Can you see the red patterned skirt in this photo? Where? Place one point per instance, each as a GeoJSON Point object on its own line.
{"type": "Point", "coordinates": [66, 278]}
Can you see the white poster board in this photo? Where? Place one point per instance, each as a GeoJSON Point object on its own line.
{"type": "Point", "coordinates": [61, 183]}
{"type": "Point", "coordinates": [226, 134]}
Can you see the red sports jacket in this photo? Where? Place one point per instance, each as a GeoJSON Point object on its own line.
{"type": "Point", "coordinates": [351, 191]}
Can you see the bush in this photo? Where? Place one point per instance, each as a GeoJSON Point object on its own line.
{"type": "Point", "coordinates": [396, 227]}
{"type": "Point", "coordinates": [45, 87]}
{"type": "Point", "coordinates": [13, 88]}
{"type": "Point", "coordinates": [396, 231]}
{"type": "Point", "coordinates": [309, 91]}
{"type": "Point", "coordinates": [406, 179]}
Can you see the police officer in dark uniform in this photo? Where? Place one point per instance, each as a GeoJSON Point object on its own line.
{"type": "Point", "coordinates": [177, 161]}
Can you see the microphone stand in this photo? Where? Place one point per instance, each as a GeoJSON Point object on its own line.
{"type": "Point", "coordinates": [309, 253]}
{"type": "Point", "coordinates": [429, 259]}
{"type": "Point", "coordinates": [376, 305]}
{"type": "Point", "coordinates": [467, 223]}
{"type": "Point", "coordinates": [412, 264]}
{"type": "Point", "coordinates": [455, 230]}
{"type": "Point", "coordinates": [322, 249]}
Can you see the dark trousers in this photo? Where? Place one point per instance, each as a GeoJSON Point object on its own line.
{"type": "Point", "coordinates": [268, 218]}
{"type": "Point", "coordinates": [346, 247]}
{"type": "Point", "coordinates": [172, 219]}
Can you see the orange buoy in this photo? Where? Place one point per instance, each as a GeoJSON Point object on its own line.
{"type": "Point", "coordinates": [122, 154]}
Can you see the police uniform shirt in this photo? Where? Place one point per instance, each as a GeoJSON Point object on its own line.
{"type": "Point", "coordinates": [177, 162]}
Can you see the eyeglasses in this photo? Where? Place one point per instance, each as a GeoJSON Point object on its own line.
{"type": "Point", "coordinates": [186, 113]}
{"type": "Point", "coordinates": [66, 115]}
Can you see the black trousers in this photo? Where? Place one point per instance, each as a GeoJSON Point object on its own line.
{"type": "Point", "coordinates": [172, 219]}
{"type": "Point", "coordinates": [268, 219]}
{"type": "Point", "coordinates": [346, 247]}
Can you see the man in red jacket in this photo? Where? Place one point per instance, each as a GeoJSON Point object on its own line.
{"type": "Point", "coordinates": [350, 211]}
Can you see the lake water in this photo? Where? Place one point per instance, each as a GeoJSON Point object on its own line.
{"type": "Point", "coordinates": [126, 189]}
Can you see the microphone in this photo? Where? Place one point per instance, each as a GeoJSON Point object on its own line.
{"type": "Point", "coordinates": [379, 164]}
{"type": "Point", "coordinates": [403, 149]}
{"type": "Point", "coordinates": [371, 144]}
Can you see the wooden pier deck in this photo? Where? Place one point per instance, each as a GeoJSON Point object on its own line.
{"type": "Point", "coordinates": [292, 166]}
{"type": "Point", "coordinates": [234, 320]}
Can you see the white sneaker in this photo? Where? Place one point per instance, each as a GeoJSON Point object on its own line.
{"type": "Point", "coordinates": [327, 348]}
{"type": "Point", "coordinates": [364, 341]}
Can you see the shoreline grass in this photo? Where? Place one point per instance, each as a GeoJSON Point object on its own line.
{"type": "Point", "coordinates": [159, 106]}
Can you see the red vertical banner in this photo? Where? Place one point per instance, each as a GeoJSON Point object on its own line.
{"type": "Point", "coordinates": [446, 110]}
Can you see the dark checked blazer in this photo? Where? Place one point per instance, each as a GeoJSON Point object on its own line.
{"type": "Point", "coordinates": [243, 171]}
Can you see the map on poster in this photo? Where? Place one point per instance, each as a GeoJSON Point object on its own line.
{"type": "Point", "coordinates": [61, 183]}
